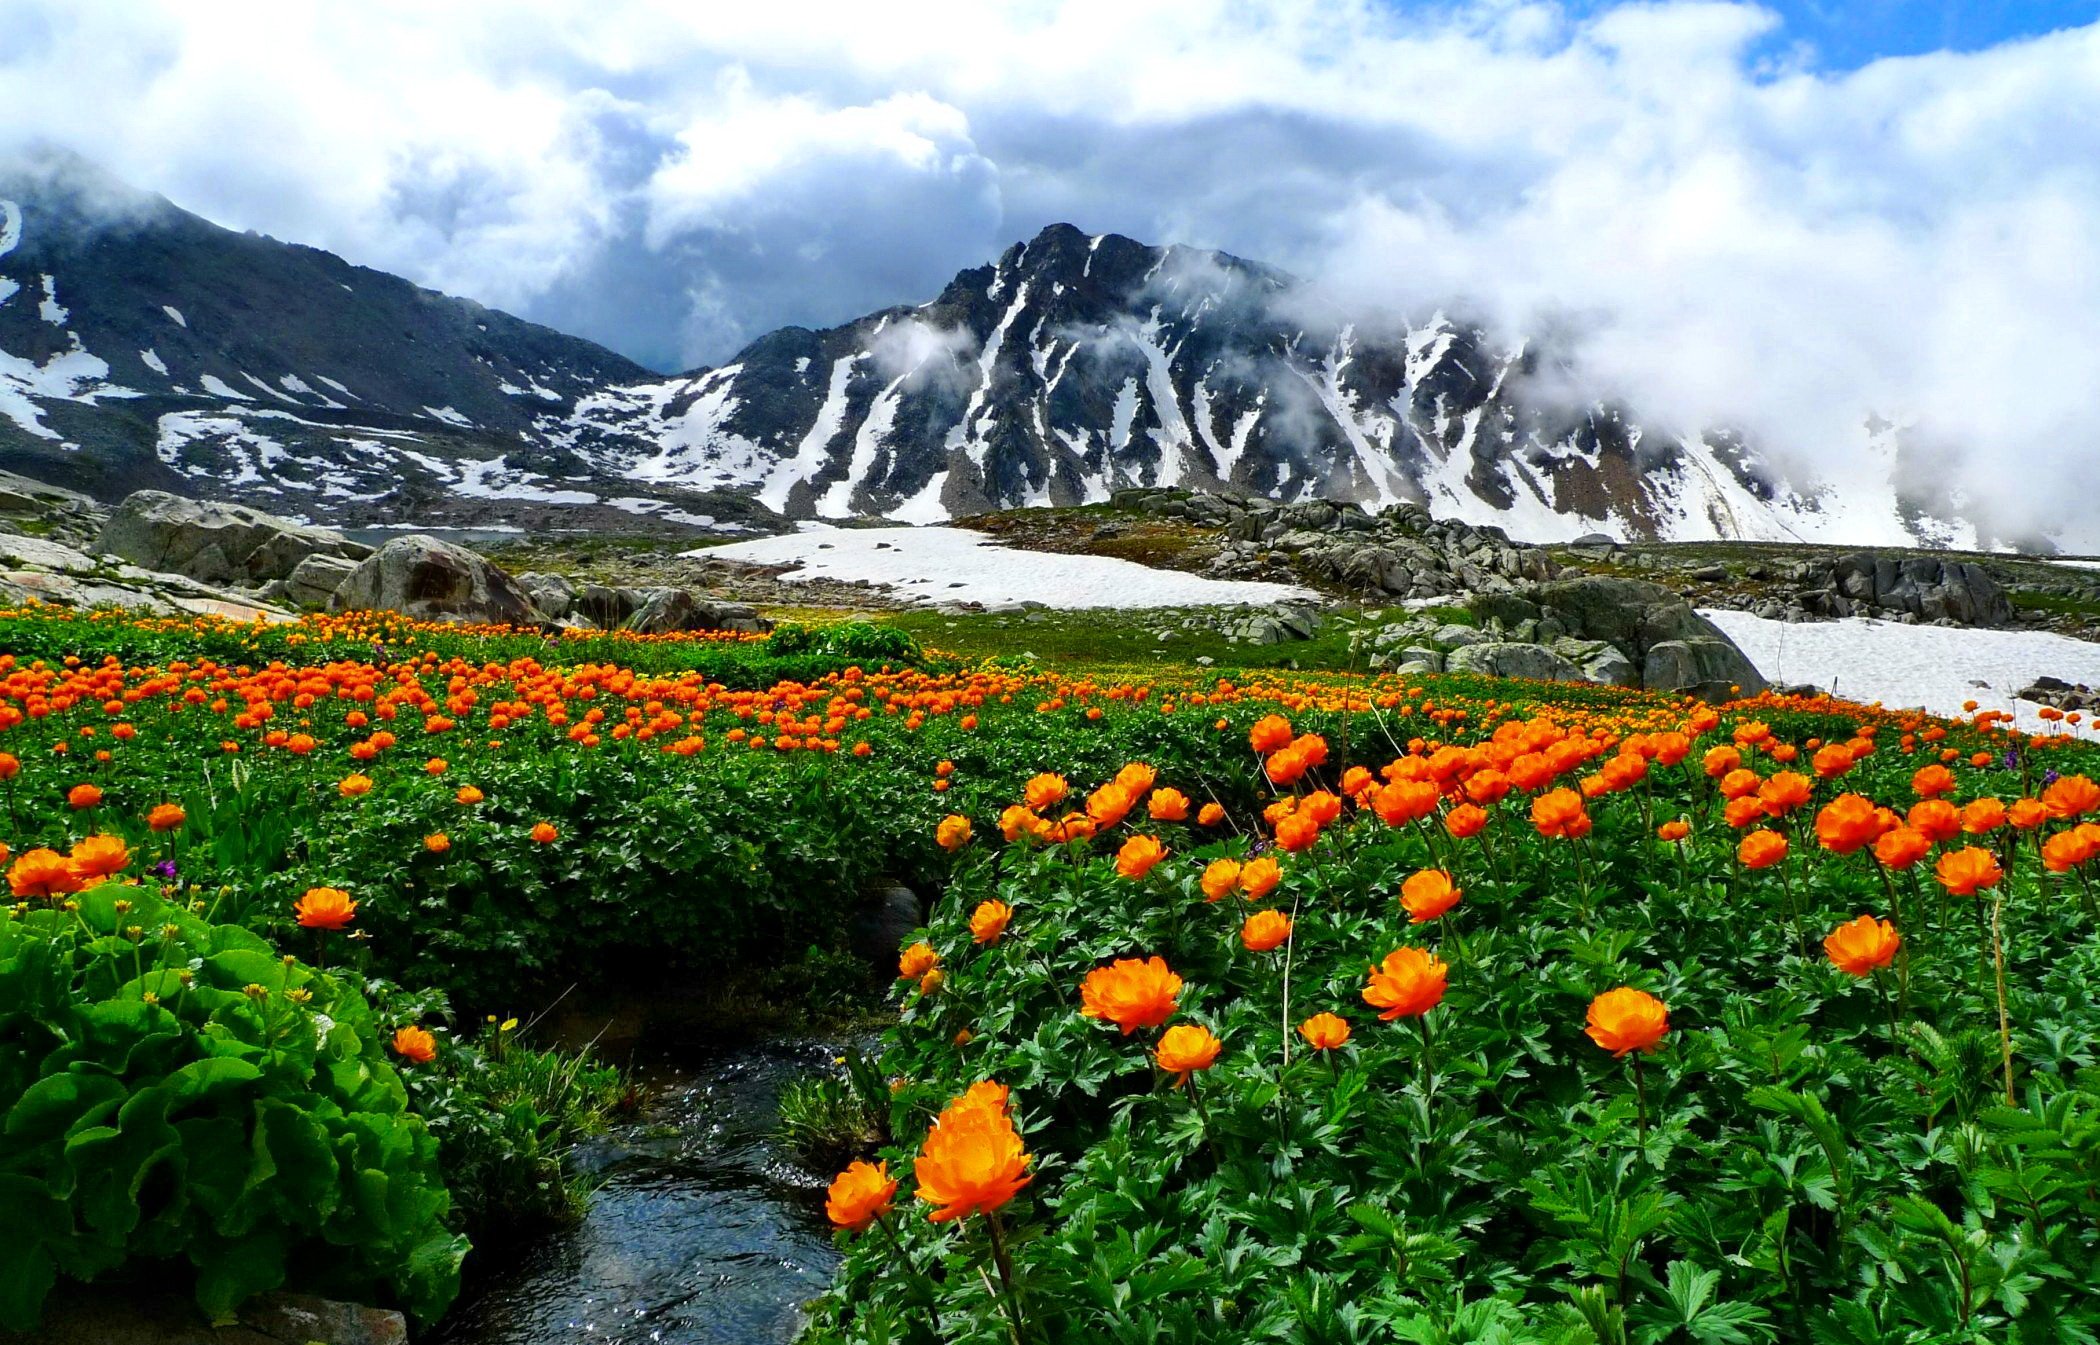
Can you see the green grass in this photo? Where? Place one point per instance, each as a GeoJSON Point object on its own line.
{"type": "Point", "coordinates": [2060, 604]}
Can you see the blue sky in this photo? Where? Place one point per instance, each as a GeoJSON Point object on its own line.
{"type": "Point", "coordinates": [1846, 34]}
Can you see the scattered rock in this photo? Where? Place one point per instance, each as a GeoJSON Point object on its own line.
{"type": "Point", "coordinates": [1512, 659]}
{"type": "Point", "coordinates": [216, 543]}
{"type": "Point", "coordinates": [314, 580]}
{"type": "Point", "coordinates": [424, 577]}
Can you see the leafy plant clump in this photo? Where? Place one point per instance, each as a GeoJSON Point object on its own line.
{"type": "Point", "coordinates": [175, 1089]}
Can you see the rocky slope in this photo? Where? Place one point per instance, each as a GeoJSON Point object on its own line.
{"type": "Point", "coordinates": [142, 346]}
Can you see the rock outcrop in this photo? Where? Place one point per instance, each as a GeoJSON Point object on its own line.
{"type": "Point", "coordinates": [424, 577]}
{"type": "Point", "coordinates": [216, 543]}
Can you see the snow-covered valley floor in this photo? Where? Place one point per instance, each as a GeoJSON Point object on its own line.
{"type": "Point", "coordinates": [1934, 667]}
{"type": "Point", "coordinates": [933, 565]}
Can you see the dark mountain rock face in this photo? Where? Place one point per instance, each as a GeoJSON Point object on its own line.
{"type": "Point", "coordinates": [141, 346]}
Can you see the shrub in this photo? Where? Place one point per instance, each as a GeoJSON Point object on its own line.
{"type": "Point", "coordinates": [173, 1088]}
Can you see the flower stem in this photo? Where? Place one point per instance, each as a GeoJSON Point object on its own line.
{"type": "Point", "coordinates": [1640, 1100]}
{"type": "Point", "coordinates": [2004, 1019]}
{"type": "Point", "coordinates": [1006, 1272]}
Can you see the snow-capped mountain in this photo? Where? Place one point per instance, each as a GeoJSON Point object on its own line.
{"type": "Point", "coordinates": [141, 345]}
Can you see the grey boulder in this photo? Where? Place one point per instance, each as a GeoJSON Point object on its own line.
{"type": "Point", "coordinates": [217, 543]}
{"type": "Point", "coordinates": [424, 577]}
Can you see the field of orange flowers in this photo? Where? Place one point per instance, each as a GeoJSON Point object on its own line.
{"type": "Point", "coordinates": [1313, 1009]}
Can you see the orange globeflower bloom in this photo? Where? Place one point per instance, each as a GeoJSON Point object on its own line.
{"type": "Point", "coordinates": [1739, 784]}
{"type": "Point", "coordinates": [545, 833]}
{"type": "Point", "coordinates": [98, 857]}
{"type": "Point", "coordinates": [1138, 855]}
{"type": "Point", "coordinates": [83, 796]}
{"type": "Point", "coordinates": [953, 833]}
{"type": "Point", "coordinates": [468, 796]}
{"type": "Point", "coordinates": [1286, 766]}
{"type": "Point", "coordinates": [2027, 814]}
{"type": "Point", "coordinates": [1168, 805]}
{"type": "Point", "coordinates": [1847, 823]}
{"type": "Point", "coordinates": [1264, 930]}
{"type": "Point", "coordinates": [415, 1045]}
{"type": "Point", "coordinates": [1626, 1020]}
{"type": "Point", "coordinates": [166, 817]}
{"type": "Point", "coordinates": [1982, 816]}
{"type": "Point", "coordinates": [436, 766]}
{"type": "Point", "coordinates": [1465, 821]}
{"type": "Point", "coordinates": [1900, 847]}
{"type": "Point", "coordinates": [1185, 1048]}
{"type": "Point", "coordinates": [1220, 878]}
{"type": "Point", "coordinates": [1259, 877]}
{"type": "Point", "coordinates": [1937, 818]}
{"type": "Point", "coordinates": [437, 842]}
{"type": "Point", "coordinates": [1210, 814]}
{"type": "Point", "coordinates": [1427, 894]}
{"type": "Point", "coordinates": [973, 1161]}
{"type": "Point", "coordinates": [1761, 849]}
{"type": "Point", "coordinates": [1296, 832]}
{"type": "Point", "coordinates": [1785, 792]}
{"type": "Point", "coordinates": [1407, 984]}
{"type": "Point", "coordinates": [1932, 781]}
{"type": "Point", "coordinates": [1560, 813]}
{"type": "Point", "coordinates": [43, 873]}
{"type": "Point", "coordinates": [915, 961]}
{"type": "Point", "coordinates": [10, 765]}
{"type": "Point", "coordinates": [1045, 791]}
{"type": "Point", "coordinates": [1110, 804]}
{"type": "Point", "coordinates": [989, 921]}
{"type": "Point", "coordinates": [1324, 1031]}
{"type": "Point", "coordinates": [1746, 811]}
{"type": "Point", "coordinates": [1269, 733]}
{"type": "Point", "coordinates": [2066, 850]}
{"type": "Point", "coordinates": [353, 785]}
{"type": "Point", "coordinates": [1674, 830]}
{"type": "Point", "coordinates": [1131, 994]}
{"type": "Point", "coordinates": [2071, 796]}
{"type": "Point", "coordinates": [325, 908]}
{"type": "Point", "coordinates": [1136, 778]}
{"type": "Point", "coordinates": [1718, 761]}
{"type": "Point", "coordinates": [859, 1195]}
{"type": "Point", "coordinates": [1859, 946]}
{"type": "Point", "coordinates": [1962, 872]}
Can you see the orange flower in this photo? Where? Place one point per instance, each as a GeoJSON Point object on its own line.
{"type": "Point", "coordinates": [1168, 805]}
{"type": "Point", "coordinates": [325, 908]}
{"type": "Point", "coordinates": [1901, 847]}
{"type": "Point", "coordinates": [1220, 878]}
{"type": "Point", "coordinates": [1675, 830]}
{"type": "Point", "coordinates": [1847, 823]}
{"type": "Point", "coordinates": [1718, 761]}
{"type": "Point", "coordinates": [1980, 817]}
{"type": "Point", "coordinates": [1560, 814]}
{"type": "Point", "coordinates": [468, 796]}
{"type": "Point", "coordinates": [1487, 786]}
{"type": "Point", "coordinates": [95, 858]}
{"type": "Point", "coordinates": [1296, 832]}
{"type": "Point", "coordinates": [915, 961]}
{"type": "Point", "coordinates": [989, 921]}
{"type": "Point", "coordinates": [1465, 821]}
{"type": "Point", "coordinates": [1932, 781]}
{"type": "Point", "coordinates": [1045, 791]}
{"type": "Point", "coordinates": [437, 842]}
{"type": "Point", "coordinates": [436, 766]}
{"type": "Point", "coordinates": [1210, 814]}
{"type": "Point", "coordinates": [1626, 1020]}
{"type": "Point", "coordinates": [1269, 733]}
{"type": "Point", "coordinates": [415, 1045]}
{"type": "Point", "coordinates": [1265, 930]}
{"type": "Point", "coordinates": [545, 833]}
{"type": "Point", "coordinates": [1138, 855]}
{"type": "Point", "coordinates": [1739, 784]}
{"type": "Point", "coordinates": [1963, 872]}
{"type": "Point", "coordinates": [1746, 811]}
{"type": "Point", "coordinates": [1285, 766]}
{"type": "Point", "coordinates": [859, 1195]}
{"type": "Point", "coordinates": [2071, 796]}
{"type": "Point", "coordinates": [165, 817]}
{"type": "Point", "coordinates": [10, 766]}
{"type": "Point", "coordinates": [1185, 1048]}
{"type": "Point", "coordinates": [1259, 877]}
{"type": "Point", "coordinates": [42, 873]}
{"type": "Point", "coordinates": [2066, 850]}
{"type": "Point", "coordinates": [954, 832]}
{"type": "Point", "coordinates": [83, 796]}
{"type": "Point", "coordinates": [1427, 894]}
{"type": "Point", "coordinates": [1785, 792]}
{"type": "Point", "coordinates": [1761, 849]}
{"type": "Point", "coordinates": [1404, 801]}
{"type": "Point", "coordinates": [1408, 984]}
{"type": "Point", "coordinates": [1859, 946]}
{"type": "Point", "coordinates": [353, 785]}
{"type": "Point", "coordinates": [2027, 814]}
{"type": "Point", "coordinates": [1110, 804]}
{"type": "Point", "coordinates": [1131, 994]}
{"type": "Point", "coordinates": [1324, 1031]}
{"type": "Point", "coordinates": [1136, 777]}
{"type": "Point", "coordinates": [1937, 818]}
{"type": "Point", "coordinates": [972, 1161]}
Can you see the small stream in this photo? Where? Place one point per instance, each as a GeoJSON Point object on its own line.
{"type": "Point", "coordinates": [703, 1232]}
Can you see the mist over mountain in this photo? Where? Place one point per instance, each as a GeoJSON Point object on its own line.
{"type": "Point", "coordinates": [142, 345]}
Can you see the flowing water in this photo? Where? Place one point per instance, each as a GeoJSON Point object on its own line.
{"type": "Point", "coordinates": [703, 1232]}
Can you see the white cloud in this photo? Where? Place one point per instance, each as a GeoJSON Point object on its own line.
{"type": "Point", "coordinates": [1736, 235]}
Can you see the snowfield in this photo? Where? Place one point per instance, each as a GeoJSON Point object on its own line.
{"type": "Point", "coordinates": [1934, 667]}
{"type": "Point", "coordinates": [933, 565]}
